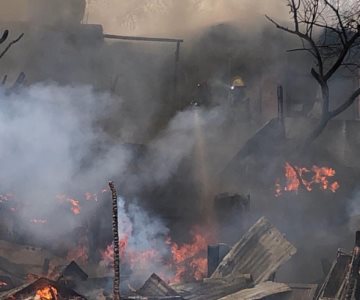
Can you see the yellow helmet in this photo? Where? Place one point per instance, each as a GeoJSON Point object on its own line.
{"type": "Point", "coordinates": [237, 81]}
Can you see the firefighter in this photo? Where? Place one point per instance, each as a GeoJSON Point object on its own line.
{"type": "Point", "coordinates": [238, 99]}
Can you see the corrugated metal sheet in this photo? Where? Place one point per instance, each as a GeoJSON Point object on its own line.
{"type": "Point", "coordinates": [156, 287]}
{"type": "Point", "coordinates": [213, 289]}
{"type": "Point", "coordinates": [262, 290]}
{"type": "Point", "coordinates": [260, 252]}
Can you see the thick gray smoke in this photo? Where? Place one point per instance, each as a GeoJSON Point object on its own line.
{"type": "Point", "coordinates": [64, 138]}
{"type": "Point", "coordinates": [53, 150]}
{"type": "Point", "coordinates": [49, 136]}
{"type": "Point", "coordinates": [172, 17]}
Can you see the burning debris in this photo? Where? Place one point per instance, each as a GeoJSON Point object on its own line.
{"type": "Point", "coordinates": [230, 276]}
{"type": "Point", "coordinates": [235, 277]}
{"type": "Point", "coordinates": [297, 178]}
{"type": "Point", "coordinates": [58, 227]}
{"type": "Point", "coordinates": [244, 271]}
{"type": "Point", "coordinates": [41, 289]}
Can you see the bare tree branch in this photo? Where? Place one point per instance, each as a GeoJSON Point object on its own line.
{"type": "Point", "coordinates": [332, 33]}
{"type": "Point", "coordinates": [339, 19]}
{"type": "Point", "coordinates": [4, 36]}
{"type": "Point", "coordinates": [10, 45]}
{"type": "Point", "coordinates": [346, 104]}
{"type": "Point", "coordinates": [305, 37]}
{"type": "Point", "coordinates": [342, 56]}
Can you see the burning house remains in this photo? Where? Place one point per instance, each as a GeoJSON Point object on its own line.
{"type": "Point", "coordinates": [233, 147]}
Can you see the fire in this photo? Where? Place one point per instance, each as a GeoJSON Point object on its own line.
{"type": "Point", "coordinates": [186, 261]}
{"type": "Point", "coordinates": [308, 178]}
{"type": "Point", "coordinates": [190, 259]}
{"type": "Point", "coordinates": [46, 293]}
{"type": "Point", "coordinates": [75, 204]}
{"type": "Point", "coordinates": [108, 253]}
{"type": "Point", "coordinates": [134, 258]}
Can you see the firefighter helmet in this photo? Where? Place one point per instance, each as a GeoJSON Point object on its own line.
{"type": "Point", "coordinates": [237, 81]}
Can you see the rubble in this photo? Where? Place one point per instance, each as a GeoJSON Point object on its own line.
{"type": "Point", "coordinates": [245, 272]}
{"type": "Point", "coordinates": [42, 285]}
{"type": "Point", "coordinates": [156, 287]}
{"type": "Point", "coordinates": [253, 260]}
{"type": "Point", "coordinates": [211, 289]}
{"type": "Point", "coordinates": [260, 291]}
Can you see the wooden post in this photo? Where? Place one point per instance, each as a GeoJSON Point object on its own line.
{"type": "Point", "coordinates": [116, 285]}
{"type": "Point", "coordinates": [280, 94]}
{"type": "Point", "coordinates": [177, 59]}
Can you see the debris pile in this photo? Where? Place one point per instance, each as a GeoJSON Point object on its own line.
{"type": "Point", "coordinates": [246, 271]}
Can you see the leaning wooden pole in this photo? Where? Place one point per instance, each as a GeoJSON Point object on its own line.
{"type": "Point", "coordinates": [116, 287]}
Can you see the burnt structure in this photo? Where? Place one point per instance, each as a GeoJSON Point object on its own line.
{"type": "Point", "coordinates": [215, 255]}
{"type": "Point", "coordinates": [343, 281]}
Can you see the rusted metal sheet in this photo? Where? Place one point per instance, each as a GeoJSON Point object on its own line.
{"type": "Point", "coordinates": [212, 289]}
{"type": "Point", "coordinates": [260, 252]}
{"type": "Point", "coordinates": [262, 290]}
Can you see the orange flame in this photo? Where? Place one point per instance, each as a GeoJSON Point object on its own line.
{"type": "Point", "coordinates": [133, 258]}
{"type": "Point", "coordinates": [75, 204]}
{"type": "Point", "coordinates": [187, 261]}
{"type": "Point", "coordinates": [308, 178]}
{"type": "Point", "coordinates": [47, 293]}
{"type": "Point", "coordinates": [190, 259]}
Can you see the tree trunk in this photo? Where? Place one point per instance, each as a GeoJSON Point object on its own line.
{"type": "Point", "coordinates": [325, 115]}
{"type": "Point", "coordinates": [315, 133]}
{"type": "Point", "coordinates": [116, 286]}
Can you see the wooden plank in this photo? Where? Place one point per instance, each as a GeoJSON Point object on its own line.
{"type": "Point", "coordinates": [262, 290]}
{"type": "Point", "coordinates": [260, 252]}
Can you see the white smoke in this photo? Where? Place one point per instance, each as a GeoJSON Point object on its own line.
{"type": "Point", "coordinates": [146, 249]}
{"type": "Point", "coordinates": [48, 136]}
